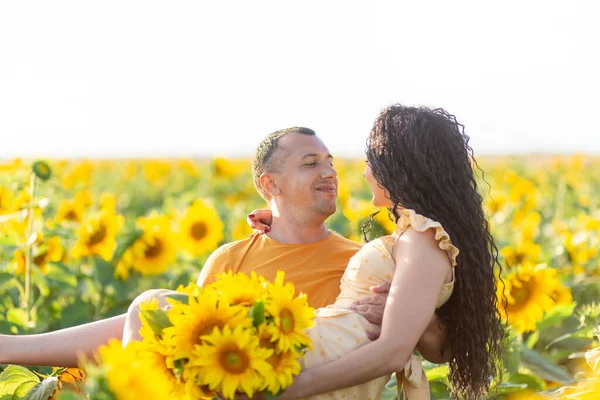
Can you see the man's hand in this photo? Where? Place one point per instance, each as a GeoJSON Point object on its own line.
{"type": "Point", "coordinates": [372, 307]}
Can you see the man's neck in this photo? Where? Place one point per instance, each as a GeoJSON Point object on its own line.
{"type": "Point", "coordinates": [292, 231]}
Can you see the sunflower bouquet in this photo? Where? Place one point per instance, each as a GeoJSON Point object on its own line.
{"type": "Point", "coordinates": [239, 334]}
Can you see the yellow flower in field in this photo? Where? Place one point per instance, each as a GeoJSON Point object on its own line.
{"type": "Point", "coordinates": [528, 224]}
{"type": "Point", "coordinates": [157, 172]}
{"type": "Point", "coordinates": [242, 230]}
{"type": "Point", "coordinates": [79, 173]}
{"type": "Point", "coordinates": [241, 289]}
{"type": "Point", "coordinates": [71, 210]}
{"type": "Point", "coordinates": [130, 375]}
{"type": "Point", "coordinates": [292, 315]}
{"type": "Point", "coordinates": [528, 293]}
{"type": "Point", "coordinates": [108, 202]}
{"type": "Point", "coordinates": [562, 295]}
{"type": "Point", "coordinates": [44, 251]}
{"type": "Point", "coordinates": [383, 218]}
{"type": "Point", "coordinates": [97, 236]}
{"type": "Point", "coordinates": [198, 318]}
{"type": "Point", "coordinates": [190, 167]}
{"type": "Point", "coordinates": [577, 247]}
{"type": "Point", "coordinates": [522, 189]}
{"type": "Point", "coordinates": [523, 253]}
{"type": "Point", "coordinates": [153, 252]}
{"type": "Point", "coordinates": [496, 202]}
{"type": "Point", "coordinates": [6, 197]}
{"type": "Point", "coordinates": [201, 229]}
{"type": "Point", "coordinates": [227, 169]}
{"type": "Point", "coordinates": [587, 222]}
{"type": "Point", "coordinates": [232, 360]}
{"type": "Point", "coordinates": [358, 209]}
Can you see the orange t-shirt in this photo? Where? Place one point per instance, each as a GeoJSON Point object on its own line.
{"type": "Point", "coordinates": [314, 268]}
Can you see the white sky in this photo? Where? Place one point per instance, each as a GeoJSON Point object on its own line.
{"type": "Point", "coordinates": [141, 78]}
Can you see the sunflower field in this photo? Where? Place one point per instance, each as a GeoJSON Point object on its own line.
{"type": "Point", "coordinates": [81, 239]}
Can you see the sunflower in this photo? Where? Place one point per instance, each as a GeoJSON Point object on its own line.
{"type": "Point", "coordinates": [157, 172]}
{"type": "Point", "coordinates": [529, 292]}
{"type": "Point", "coordinates": [239, 288]}
{"type": "Point", "coordinates": [198, 318]}
{"type": "Point", "coordinates": [5, 200]}
{"type": "Point", "coordinates": [525, 252]}
{"type": "Point", "coordinates": [201, 230]}
{"type": "Point", "coordinates": [284, 365]}
{"type": "Point", "coordinates": [108, 202]}
{"type": "Point", "coordinates": [80, 172]}
{"type": "Point", "coordinates": [96, 236]}
{"type": "Point", "coordinates": [73, 210]}
{"type": "Point", "coordinates": [562, 295]}
{"type": "Point", "coordinates": [232, 360]}
{"type": "Point", "coordinates": [291, 315]}
{"type": "Point", "coordinates": [153, 252]}
{"type": "Point", "coordinates": [130, 375]}
{"type": "Point", "coordinates": [44, 251]}
{"type": "Point", "coordinates": [42, 170]}
{"type": "Point", "coordinates": [242, 230]}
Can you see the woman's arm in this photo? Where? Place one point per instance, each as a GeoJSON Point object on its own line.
{"type": "Point", "coordinates": [60, 348]}
{"type": "Point", "coordinates": [421, 269]}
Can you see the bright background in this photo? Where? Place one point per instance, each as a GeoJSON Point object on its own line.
{"type": "Point", "coordinates": [145, 78]}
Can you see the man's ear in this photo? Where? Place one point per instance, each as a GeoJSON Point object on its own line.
{"type": "Point", "coordinates": [269, 185]}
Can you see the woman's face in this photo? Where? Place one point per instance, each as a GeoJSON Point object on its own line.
{"type": "Point", "coordinates": [381, 197]}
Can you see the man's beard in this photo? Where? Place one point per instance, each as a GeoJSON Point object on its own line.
{"type": "Point", "coordinates": [326, 208]}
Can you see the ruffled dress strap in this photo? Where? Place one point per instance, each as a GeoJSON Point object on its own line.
{"type": "Point", "coordinates": [409, 218]}
{"type": "Point", "coordinates": [413, 378]}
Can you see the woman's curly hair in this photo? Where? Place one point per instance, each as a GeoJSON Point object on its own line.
{"type": "Point", "coordinates": [422, 158]}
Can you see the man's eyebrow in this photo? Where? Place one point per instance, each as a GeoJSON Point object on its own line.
{"type": "Point", "coordinates": [316, 155]}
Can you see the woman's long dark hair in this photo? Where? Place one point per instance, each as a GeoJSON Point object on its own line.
{"type": "Point", "coordinates": [422, 158]}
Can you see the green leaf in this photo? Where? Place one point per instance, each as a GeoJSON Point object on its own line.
{"type": "Point", "coordinates": [509, 387]}
{"type": "Point", "coordinates": [157, 319]}
{"type": "Point", "coordinates": [43, 390]}
{"type": "Point", "coordinates": [103, 271]}
{"type": "Point", "coordinates": [129, 240]}
{"type": "Point", "coordinates": [17, 316]}
{"type": "Point", "coordinates": [22, 390]}
{"type": "Point", "coordinates": [438, 374]}
{"type": "Point", "coordinates": [13, 377]}
{"type": "Point", "coordinates": [257, 312]}
{"type": "Point", "coordinates": [178, 368]}
{"type": "Point", "coordinates": [555, 316]}
{"type": "Point", "coordinates": [533, 382]}
{"type": "Point", "coordinates": [544, 368]}
{"type": "Point", "coordinates": [271, 396]}
{"type": "Point", "coordinates": [180, 297]}
{"type": "Point", "coordinates": [5, 277]}
{"type": "Point", "coordinates": [585, 332]}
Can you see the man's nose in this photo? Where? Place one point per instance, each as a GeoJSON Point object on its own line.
{"type": "Point", "coordinates": [328, 172]}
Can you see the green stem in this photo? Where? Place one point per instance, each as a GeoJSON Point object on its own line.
{"type": "Point", "coordinates": [29, 249]}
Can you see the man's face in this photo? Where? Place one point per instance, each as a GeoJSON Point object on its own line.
{"type": "Point", "coordinates": [308, 182]}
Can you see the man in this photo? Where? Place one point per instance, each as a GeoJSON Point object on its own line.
{"type": "Point", "coordinates": [293, 171]}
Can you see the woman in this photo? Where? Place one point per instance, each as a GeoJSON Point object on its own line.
{"type": "Point", "coordinates": [419, 166]}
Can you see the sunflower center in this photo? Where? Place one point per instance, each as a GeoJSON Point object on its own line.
{"type": "Point", "coordinates": [521, 296]}
{"type": "Point", "coordinates": [40, 259]}
{"type": "Point", "coordinates": [154, 250]}
{"type": "Point", "coordinates": [207, 327]}
{"type": "Point", "coordinates": [71, 216]}
{"type": "Point", "coordinates": [520, 257]}
{"type": "Point", "coordinates": [234, 360]}
{"type": "Point", "coordinates": [98, 236]}
{"type": "Point", "coordinates": [198, 230]}
{"type": "Point", "coordinates": [287, 321]}
{"type": "Point", "coordinates": [274, 360]}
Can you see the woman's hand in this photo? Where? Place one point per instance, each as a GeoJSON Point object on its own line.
{"type": "Point", "coordinates": [260, 220]}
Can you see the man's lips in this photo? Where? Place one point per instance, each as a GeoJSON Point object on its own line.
{"type": "Point", "coordinates": [327, 189]}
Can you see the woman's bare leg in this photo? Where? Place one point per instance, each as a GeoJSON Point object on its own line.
{"type": "Point", "coordinates": [60, 348]}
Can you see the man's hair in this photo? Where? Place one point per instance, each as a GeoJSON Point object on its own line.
{"type": "Point", "coordinates": [264, 159]}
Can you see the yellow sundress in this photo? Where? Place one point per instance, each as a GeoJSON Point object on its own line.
{"type": "Point", "coordinates": [338, 331]}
